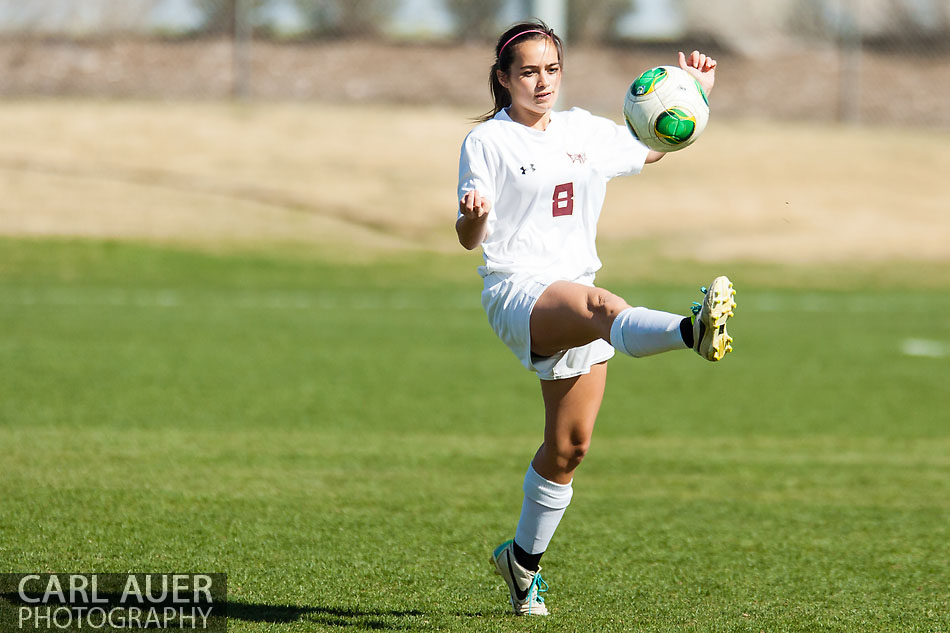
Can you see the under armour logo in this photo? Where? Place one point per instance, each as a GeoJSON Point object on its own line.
{"type": "Point", "coordinates": [524, 170]}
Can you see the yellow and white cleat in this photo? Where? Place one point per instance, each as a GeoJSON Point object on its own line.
{"type": "Point", "coordinates": [710, 339]}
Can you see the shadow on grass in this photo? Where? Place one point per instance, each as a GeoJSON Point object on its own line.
{"type": "Point", "coordinates": [330, 616]}
{"type": "Point", "coordinates": [367, 618]}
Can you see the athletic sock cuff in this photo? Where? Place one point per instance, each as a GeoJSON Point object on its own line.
{"type": "Point", "coordinates": [546, 493]}
{"type": "Point", "coordinates": [640, 332]}
{"type": "Point", "coordinates": [616, 332]}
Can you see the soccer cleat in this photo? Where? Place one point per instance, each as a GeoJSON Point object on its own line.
{"type": "Point", "coordinates": [523, 585]}
{"type": "Point", "coordinates": [710, 339]}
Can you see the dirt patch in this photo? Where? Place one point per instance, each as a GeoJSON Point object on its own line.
{"type": "Point", "coordinates": [374, 178]}
{"type": "Point", "coordinates": [316, 158]}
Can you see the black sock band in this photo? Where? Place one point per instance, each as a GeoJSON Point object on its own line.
{"type": "Point", "coordinates": [531, 562]}
{"type": "Point", "coordinates": [686, 331]}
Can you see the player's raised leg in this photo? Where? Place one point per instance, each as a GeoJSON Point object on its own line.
{"type": "Point", "coordinates": [570, 315]}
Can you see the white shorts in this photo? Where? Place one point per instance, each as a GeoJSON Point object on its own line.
{"type": "Point", "coordinates": [508, 299]}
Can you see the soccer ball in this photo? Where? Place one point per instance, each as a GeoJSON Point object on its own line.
{"type": "Point", "coordinates": [666, 108]}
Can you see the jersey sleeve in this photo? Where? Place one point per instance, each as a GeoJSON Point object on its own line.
{"type": "Point", "coordinates": [618, 152]}
{"type": "Point", "coordinates": [477, 169]}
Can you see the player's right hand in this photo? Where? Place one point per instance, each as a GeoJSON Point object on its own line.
{"type": "Point", "coordinates": [473, 206]}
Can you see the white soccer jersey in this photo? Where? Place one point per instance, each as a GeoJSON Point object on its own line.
{"type": "Point", "coordinates": [546, 188]}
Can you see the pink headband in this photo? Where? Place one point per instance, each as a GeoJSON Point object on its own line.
{"type": "Point", "coordinates": [519, 35]}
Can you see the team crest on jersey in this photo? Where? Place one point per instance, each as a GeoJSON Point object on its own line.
{"type": "Point", "coordinates": [577, 158]}
{"type": "Point", "coordinates": [525, 170]}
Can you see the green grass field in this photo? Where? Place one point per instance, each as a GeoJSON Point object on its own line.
{"type": "Point", "coordinates": [348, 443]}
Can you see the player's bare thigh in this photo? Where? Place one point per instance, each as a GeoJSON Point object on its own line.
{"type": "Point", "coordinates": [570, 410]}
{"type": "Point", "coordinates": [570, 315]}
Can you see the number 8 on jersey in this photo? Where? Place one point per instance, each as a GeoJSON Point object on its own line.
{"type": "Point", "coordinates": [563, 202]}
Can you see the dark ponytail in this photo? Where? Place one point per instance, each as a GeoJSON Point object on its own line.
{"type": "Point", "coordinates": [505, 56]}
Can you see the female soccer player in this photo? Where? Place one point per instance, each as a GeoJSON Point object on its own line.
{"type": "Point", "coordinates": [531, 186]}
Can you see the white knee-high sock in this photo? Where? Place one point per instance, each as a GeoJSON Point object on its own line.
{"type": "Point", "coordinates": [544, 505]}
{"type": "Point", "coordinates": [641, 332]}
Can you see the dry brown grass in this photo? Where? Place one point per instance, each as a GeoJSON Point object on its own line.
{"type": "Point", "coordinates": [366, 179]}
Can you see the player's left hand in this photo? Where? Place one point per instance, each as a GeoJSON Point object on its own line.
{"type": "Point", "coordinates": [700, 66]}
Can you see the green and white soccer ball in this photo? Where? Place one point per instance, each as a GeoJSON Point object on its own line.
{"type": "Point", "coordinates": [666, 109]}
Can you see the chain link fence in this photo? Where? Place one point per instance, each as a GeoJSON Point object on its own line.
{"type": "Point", "coordinates": [870, 61]}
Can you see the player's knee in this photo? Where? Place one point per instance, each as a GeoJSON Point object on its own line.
{"type": "Point", "coordinates": [570, 454]}
{"type": "Point", "coordinates": [602, 302]}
